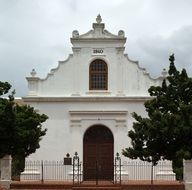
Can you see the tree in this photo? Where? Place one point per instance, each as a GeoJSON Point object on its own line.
{"type": "Point", "coordinates": [20, 129]}
{"type": "Point", "coordinates": [167, 131]}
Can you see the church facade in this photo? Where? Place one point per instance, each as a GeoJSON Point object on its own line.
{"type": "Point", "coordinates": [89, 99]}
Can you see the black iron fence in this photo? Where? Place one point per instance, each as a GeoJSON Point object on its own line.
{"type": "Point", "coordinates": [123, 171]}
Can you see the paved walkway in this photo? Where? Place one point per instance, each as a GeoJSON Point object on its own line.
{"type": "Point", "coordinates": [65, 184]}
{"type": "Point", "coordinates": [99, 182]}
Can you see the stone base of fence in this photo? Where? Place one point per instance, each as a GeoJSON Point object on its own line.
{"type": "Point", "coordinates": [5, 184]}
{"type": "Point", "coordinates": [5, 172]}
{"type": "Point", "coordinates": [30, 173]}
{"type": "Point", "coordinates": [188, 174]}
{"type": "Point", "coordinates": [188, 186]}
{"type": "Point", "coordinates": [165, 174]}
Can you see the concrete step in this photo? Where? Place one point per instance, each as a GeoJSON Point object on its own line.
{"type": "Point", "coordinates": [97, 188]}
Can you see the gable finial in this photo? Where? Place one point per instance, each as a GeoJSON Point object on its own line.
{"type": "Point", "coordinates": [33, 73]}
{"type": "Point", "coordinates": [164, 73]}
{"type": "Point", "coordinates": [98, 19]}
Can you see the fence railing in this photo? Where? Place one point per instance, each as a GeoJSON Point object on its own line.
{"type": "Point", "coordinates": [130, 170]}
{"type": "Point", "coordinates": [47, 170]}
{"type": "Point", "coordinates": [139, 170]}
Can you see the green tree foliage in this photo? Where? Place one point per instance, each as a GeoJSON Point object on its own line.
{"type": "Point", "coordinates": [20, 128]}
{"type": "Point", "coordinates": [167, 131]}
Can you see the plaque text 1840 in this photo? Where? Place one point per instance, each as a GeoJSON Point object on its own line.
{"type": "Point", "coordinates": [97, 51]}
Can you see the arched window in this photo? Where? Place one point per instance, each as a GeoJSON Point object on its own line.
{"type": "Point", "coordinates": [98, 75]}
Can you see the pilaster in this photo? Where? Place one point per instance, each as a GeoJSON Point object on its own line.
{"type": "Point", "coordinates": [76, 89]}
{"type": "Point", "coordinates": [120, 73]}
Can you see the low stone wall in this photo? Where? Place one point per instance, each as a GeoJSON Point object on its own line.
{"type": "Point", "coordinates": [154, 187]}
{"type": "Point", "coordinates": [101, 185]}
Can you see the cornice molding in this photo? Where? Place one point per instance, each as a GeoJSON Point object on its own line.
{"type": "Point", "coordinates": [78, 116]}
{"type": "Point", "coordinates": [96, 112]}
{"type": "Point", "coordinates": [87, 99]}
{"type": "Point", "coordinates": [99, 40]}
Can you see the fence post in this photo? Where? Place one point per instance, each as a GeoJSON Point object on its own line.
{"type": "Point", "coordinates": [76, 167]}
{"type": "Point", "coordinates": [42, 174]}
{"type": "Point", "coordinates": [152, 173]}
{"type": "Point", "coordinates": [117, 169]}
{"type": "Point", "coordinates": [188, 174]}
{"type": "Point", "coordinates": [5, 171]}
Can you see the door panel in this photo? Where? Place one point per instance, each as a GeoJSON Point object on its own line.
{"type": "Point", "coordinates": [105, 161]}
{"type": "Point", "coordinates": [89, 165]}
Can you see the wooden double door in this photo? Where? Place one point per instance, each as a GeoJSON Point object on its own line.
{"type": "Point", "coordinates": [98, 153]}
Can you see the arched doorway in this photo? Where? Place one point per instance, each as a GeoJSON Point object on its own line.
{"type": "Point", "coordinates": [98, 153]}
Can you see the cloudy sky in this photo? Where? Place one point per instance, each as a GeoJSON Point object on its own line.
{"type": "Point", "coordinates": [36, 33]}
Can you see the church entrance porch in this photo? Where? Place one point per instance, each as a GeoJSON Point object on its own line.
{"type": "Point", "coordinates": [98, 153]}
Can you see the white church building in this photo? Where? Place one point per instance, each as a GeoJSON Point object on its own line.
{"type": "Point", "coordinates": [89, 99]}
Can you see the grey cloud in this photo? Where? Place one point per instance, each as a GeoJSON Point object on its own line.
{"type": "Point", "coordinates": [154, 51]}
{"type": "Point", "coordinates": [36, 34]}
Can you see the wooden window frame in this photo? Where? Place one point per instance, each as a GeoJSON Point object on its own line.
{"type": "Point", "coordinates": [99, 73]}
